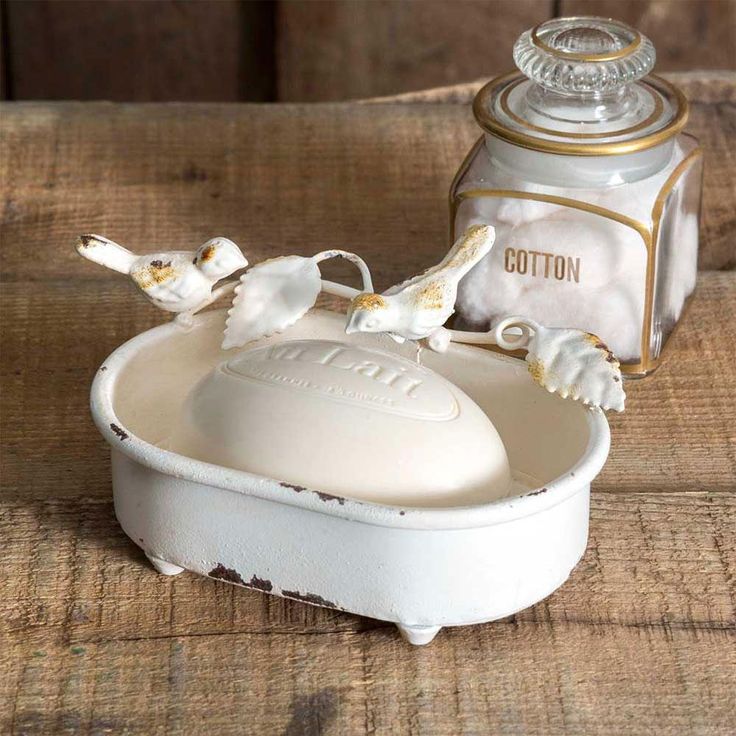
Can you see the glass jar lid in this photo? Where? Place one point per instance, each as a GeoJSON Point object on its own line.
{"type": "Point", "coordinates": [582, 90]}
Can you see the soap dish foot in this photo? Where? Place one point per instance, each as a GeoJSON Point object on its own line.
{"type": "Point", "coordinates": [418, 635]}
{"type": "Point", "coordinates": [164, 567]}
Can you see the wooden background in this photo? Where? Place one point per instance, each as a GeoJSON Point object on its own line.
{"type": "Point", "coordinates": [640, 640]}
{"type": "Point", "coordinates": [308, 50]}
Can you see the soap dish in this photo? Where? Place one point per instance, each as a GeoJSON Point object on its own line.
{"type": "Point", "coordinates": [420, 568]}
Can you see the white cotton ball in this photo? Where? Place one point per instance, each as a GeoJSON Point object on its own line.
{"type": "Point", "coordinates": [600, 279]}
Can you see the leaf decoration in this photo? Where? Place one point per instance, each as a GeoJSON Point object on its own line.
{"type": "Point", "coordinates": [271, 297]}
{"type": "Point", "coordinates": [578, 365]}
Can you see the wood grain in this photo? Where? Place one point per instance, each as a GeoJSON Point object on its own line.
{"type": "Point", "coordinates": [679, 430]}
{"type": "Point", "coordinates": [512, 678]}
{"type": "Point", "coordinates": [639, 640]}
{"type": "Point", "coordinates": [712, 97]}
{"type": "Point", "coordinates": [363, 48]}
{"type": "Point", "coordinates": [687, 34]}
{"type": "Point", "coordinates": [340, 50]}
{"type": "Point", "coordinates": [311, 50]}
{"type": "Point", "coordinates": [134, 50]}
{"type": "Point", "coordinates": [157, 175]}
{"type": "Point", "coordinates": [639, 636]}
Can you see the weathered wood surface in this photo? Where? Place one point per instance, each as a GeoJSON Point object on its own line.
{"type": "Point", "coordinates": [309, 50]}
{"type": "Point", "coordinates": [688, 34]}
{"type": "Point", "coordinates": [197, 51]}
{"type": "Point", "coordinates": [678, 430]}
{"type": "Point", "coordinates": [642, 637]}
{"type": "Point", "coordinates": [333, 174]}
{"type": "Point", "coordinates": [361, 48]}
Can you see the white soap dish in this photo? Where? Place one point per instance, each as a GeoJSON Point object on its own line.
{"type": "Point", "coordinates": [421, 568]}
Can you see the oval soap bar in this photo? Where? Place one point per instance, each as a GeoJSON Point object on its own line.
{"type": "Point", "coordinates": [347, 420]}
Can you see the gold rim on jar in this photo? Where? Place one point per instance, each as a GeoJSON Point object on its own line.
{"type": "Point", "coordinates": [494, 127]}
{"type": "Point", "coordinates": [576, 56]}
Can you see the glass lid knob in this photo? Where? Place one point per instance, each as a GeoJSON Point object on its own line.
{"type": "Point", "coordinates": [584, 56]}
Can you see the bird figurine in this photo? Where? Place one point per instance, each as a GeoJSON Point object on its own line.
{"type": "Point", "coordinates": [177, 281]}
{"type": "Point", "coordinates": [417, 308]}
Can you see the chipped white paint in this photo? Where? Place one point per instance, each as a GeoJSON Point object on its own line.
{"type": "Point", "coordinates": [422, 568]}
{"type": "Point", "coordinates": [175, 281]}
{"type": "Point", "coordinates": [419, 306]}
{"type": "Point", "coordinates": [278, 292]}
{"type": "Point", "coordinates": [572, 363]}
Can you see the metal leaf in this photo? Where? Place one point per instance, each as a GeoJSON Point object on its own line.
{"type": "Point", "coordinates": [571, 363]}
{"type": "Point", "coordinates": [578, 365]}
{"type": "Point", "coordinates": [271, 297]}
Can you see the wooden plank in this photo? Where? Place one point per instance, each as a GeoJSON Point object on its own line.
{"type": "Point", "coordinates": [677, 432]}
{"type": "Point", "coordinates": [346, 50]}
{"type": "Point", "coordinates": [520, 679]}
{"type": "Point", "coordinates": [641, 635]}
{"type": "Point", "coordinates": [363, 48]}
{"type": "Point", "coordinates": [369, 176]}
{"type": "Point", "coordinates": [71, 574]}
{"type": "Point", "coordinates": [139, 51]}
{"type": "Point", "coordinates": [687, 34]}
{"type": "Point", "coordinates": [712, 97]}
{"type": "Point", "coordinates": [3, 53]}
{"type": "Point", "coordinates": [639, 640]}
{"type": "Point", "coordinates": [272, 178]}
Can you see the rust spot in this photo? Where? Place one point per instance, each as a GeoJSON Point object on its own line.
{"type": "Point", "coordinates": [118, 431]}
{"type": "Point", "coordinates": [322, 496]}
{"type": "Point", "coordinates": [330, 497]}
{"type": "Point", "coordinates": [260, 584]}
{"type": "Point", "coordinates": [312, 598]}
{"type": "Point", "coordinates": [537, 493]}
{"type": "Point", "coordinates": [598, 344]}
{"type": "Point", "coordinates": [401, 513]}
{"type": "Point", "coordinates": [298, 489]}
{"type": "Point", "coordinates": [85, 240]}
{"type": "Point", "coordinates": [208, 253]}
{"type": "Point", "coordinates": [232, 576]}
{"type": "Point", "coordinates": [103, 369]}
{"type": "Point", "coordinates": [225, 573]}
{"type": "Point", "coordinates": [617, 379]}
{"type": "Point", "coordinates": [140, 539]}
{"type": "Point", "coordinates": [157, 272]}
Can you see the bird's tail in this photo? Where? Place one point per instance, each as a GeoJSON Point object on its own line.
{"type": "Point", "coordinates": [100, 250]}
{"type": "Point", "coordinates": [473, 245]}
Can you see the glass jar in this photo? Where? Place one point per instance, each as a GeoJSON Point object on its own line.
{"type": "Point", "coordinates": [593, 189]}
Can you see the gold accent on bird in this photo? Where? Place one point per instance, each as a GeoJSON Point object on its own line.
{"type": "Point", "coordinates": [156, 272]}
{"type": "Point", "coordinates": [430, 297]}
{"type": "Point", "coordinates": [369, 302]}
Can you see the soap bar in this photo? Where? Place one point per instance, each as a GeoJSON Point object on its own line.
{"type": "Point", "coordinates": [347, 420]}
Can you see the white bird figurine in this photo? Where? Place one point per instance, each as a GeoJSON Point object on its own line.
{"type": "Point", "coordinates": [177, 281]}
{"type": "Point", "coordinates": [417, 308]}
